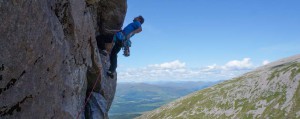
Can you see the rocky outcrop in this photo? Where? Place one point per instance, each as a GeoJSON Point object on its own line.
{"type": "Point", "coordinates": [49, 58]}
{"type": "Point", "coordinates": [271, 91]}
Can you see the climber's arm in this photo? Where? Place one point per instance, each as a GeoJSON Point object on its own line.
{"type": "Point", "coordinates": [112, 30]}
{"type": "Point", "coordinates": [137, 30]}
{"type": "Point", "coordinates": [134, 32]}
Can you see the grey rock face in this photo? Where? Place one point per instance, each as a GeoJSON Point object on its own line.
{"type": "Point", "coordinates": [49, 58]}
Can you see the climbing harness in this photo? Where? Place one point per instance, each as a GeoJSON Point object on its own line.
{"type": "Point", "coordinates": [126, 43]}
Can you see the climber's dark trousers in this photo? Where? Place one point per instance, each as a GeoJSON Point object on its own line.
{"type": "Point", "coordinates": [114, 56]}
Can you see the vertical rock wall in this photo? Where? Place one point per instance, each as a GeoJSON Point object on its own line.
{"type": "Point", "coordinates": [49, 57]}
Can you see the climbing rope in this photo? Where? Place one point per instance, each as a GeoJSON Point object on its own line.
{"type": "Point", "coordinates": [87, 100]}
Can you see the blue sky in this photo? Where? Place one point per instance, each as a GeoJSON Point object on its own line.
{"type": "Point", "coordinates": [183, 39]}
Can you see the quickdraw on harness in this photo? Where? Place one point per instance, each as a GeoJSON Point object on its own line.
{"type": "Point", "coordinates": [126, 43]}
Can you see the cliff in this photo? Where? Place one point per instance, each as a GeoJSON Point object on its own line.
{"type": "Point", "coordinates": [271, 91]}
{"type": "Point", "coordinates": [49, 58]}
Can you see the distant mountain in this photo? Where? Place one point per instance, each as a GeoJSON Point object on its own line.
{"type": "Point", "coordinates": [271, 91]}
{"type": "Point", "coordinates": [132, 99]}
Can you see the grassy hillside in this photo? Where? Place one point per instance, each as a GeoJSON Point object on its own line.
{"type": "Point", "coordinates": [271, 91]}
{"type": "Point", "coordinates": [132, 99]}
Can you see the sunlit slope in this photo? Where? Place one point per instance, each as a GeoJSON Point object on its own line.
{"type": "Point", "coordinates": [269, 91]}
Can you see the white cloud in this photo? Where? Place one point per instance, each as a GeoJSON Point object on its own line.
{"type": "Point", "coordinates": [265, 62]}
{"type": "Point", "coordinates": [177, 70]}
{"type": "Point", "coordinates": [244, 64]}
{"type": "Point", "coordinates": [169, 65]}
{"type": "Point", "coordinates": [239, 65]}
{"type": "Point", "coordinates": [211, 67]}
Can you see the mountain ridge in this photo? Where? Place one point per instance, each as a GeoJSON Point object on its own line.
{"type": "Point", "coordinates": [269, 91]}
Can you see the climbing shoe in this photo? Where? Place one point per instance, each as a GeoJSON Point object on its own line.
{"type": "Point", "coordinates": [110, 74]}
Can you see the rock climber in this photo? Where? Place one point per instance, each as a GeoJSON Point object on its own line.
{"type": "Point", "coordinates": [121, 39]}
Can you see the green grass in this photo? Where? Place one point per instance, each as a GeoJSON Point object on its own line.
{"type": "Point", "coordinates": [296, 103]}
{"type": "Point", "coordinates": [294, 73]}
{"type": "Point", "coordinates": [203, 95]}
{"type": "Point", "coordinates": [209, 100]}
{"type": "Point", "coordinates": [274, 74]}
{"type": "Point", "coordinates": [124, 116]}
{"type": "Point", "coordinates": [294, 67]}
